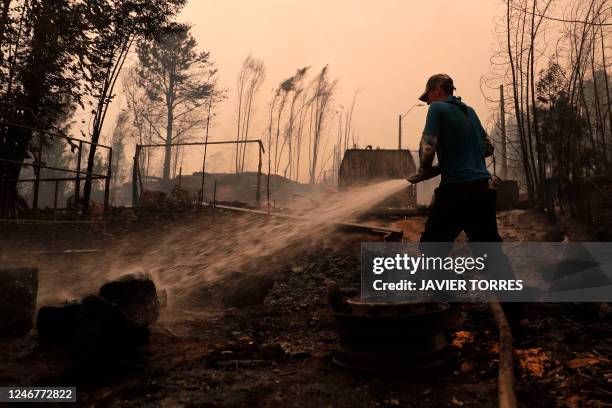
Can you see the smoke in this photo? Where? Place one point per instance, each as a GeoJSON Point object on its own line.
{"type": "Point", "coordinates": [193, 256]}
{"type": "Point", "coordinates": [184, 257]}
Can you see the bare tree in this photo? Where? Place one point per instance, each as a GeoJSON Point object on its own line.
{"type": "Point", "coordinates": [115, 26]}
{"type": "Point", "coordinates": [249, 82]}
{"type": "Point", "coordinates": [297, 90]}
{"type": "Point", "coordinates": [349, 121]}
{"type": "Point", "coordinates": [270, 130]}
{"type": "Point", "coordinates": [283, 93]}
{"type": "Point", "coordinates": [303, 115]}
{"type": "Point", "coordinates": [141, 109]}
{"type": "Point", "coordinates": [558, 115]}
{"type": "Point", "coordinates": [324, 91]}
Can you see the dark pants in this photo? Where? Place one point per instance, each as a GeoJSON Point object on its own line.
{"type": "Point", "coordinates": [467, 206]}
{"type": "Point", "coordinates": [470, 207]}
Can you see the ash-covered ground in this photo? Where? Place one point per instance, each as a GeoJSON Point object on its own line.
{"type": "Point", "coordinates": [206, 351]}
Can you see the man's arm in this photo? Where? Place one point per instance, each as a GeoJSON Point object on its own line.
{"type": "Point", "coordinates": [427, 146]}
{"type": "Point", "coordinates": [427, 153]}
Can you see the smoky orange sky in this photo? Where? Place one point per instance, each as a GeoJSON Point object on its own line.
{"type": "Point", "coordinates": [387, 48]}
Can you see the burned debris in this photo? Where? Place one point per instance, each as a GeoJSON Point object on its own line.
{"type": "Point", "coordinates": [242, 290]}
{"type": "Point", "coordinates": [18, 300]}
{"type": "Point", "coordinates": [104, 328]}
{"type": "Point", "coordinates": [136, 296]}
{"type": "Point", "coordinates": [92, 330]}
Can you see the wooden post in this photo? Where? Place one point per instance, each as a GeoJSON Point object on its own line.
{"type": "Point", "coordinates": [258, 193]}
{"type": "Point", "coordinates": [502, 120]}
{"type": "Point", "coordinates": [210, 101]}
{"type": "Point", "coordinates": [55, 200]}
{"type": "Point", "coordinates": [203, 172]}
{"type": "Point", "coordinates": [399, 146]}
{"type": "Point", "coordinates": [77, 184]}
{"type": "Point", "coordinates": [109, 175]}
{"type": "Point", "coordinates": [215, 194]}
{"type": "Point", "coordinates": [36, 187]}
{"type": "Point", "coordinates": [135, 177]}
{"type": "Point", "coordinates": [37, 174]}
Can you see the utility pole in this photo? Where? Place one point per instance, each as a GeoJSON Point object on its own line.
{"type": "Point", "coordinates": [335, 163]}
{"type": "Point", "coordinates": [502, 124]}
{"type": "Point", "coordinates": [399, 147]}
{"type": "Point", "coordinates": [399, 122]}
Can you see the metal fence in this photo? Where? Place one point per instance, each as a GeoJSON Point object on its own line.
{"type": "Point", "coordinates": [75, 175]}
{"type": "Point", "coordinates": [146, 172]}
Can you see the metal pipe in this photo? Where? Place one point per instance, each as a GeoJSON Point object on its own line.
{"type": "Point", "coordinates": [258, 193]}
{"type": "Point", "coordinates": [204, 143]}
{"type": "Point", "coordinates": [94, 177]}
{"type": "Point", "coordinates": [53, 134]}
{"type": "Point", "coordinates": [34, 165]}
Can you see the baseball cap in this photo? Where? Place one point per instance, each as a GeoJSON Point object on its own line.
{"type": "Point", "coordinates": [435, 80]}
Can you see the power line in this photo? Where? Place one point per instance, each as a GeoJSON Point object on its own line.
{"type": "Point", "coordinates": [560, 19]}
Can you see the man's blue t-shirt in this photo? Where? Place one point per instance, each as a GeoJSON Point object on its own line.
{"type": "Point", "coordinates": [460, 140]}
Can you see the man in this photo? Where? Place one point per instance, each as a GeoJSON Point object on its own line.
{"type": "Point", "coordinates": [463, 201]}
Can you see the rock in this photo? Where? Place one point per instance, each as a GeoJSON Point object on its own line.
{"type": "Point", "coordinates": [135, 295]}
{"type": "Point", "coordinates": [55, 324]}
{"type": "Point", "coordinates": [103, 328]}
{"type": "Point", "coordinates": [241, 290]}
{"type": "Point", "coordinates": [93, 329]}
{"type": "Point", "coordinates": [18, 291]}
